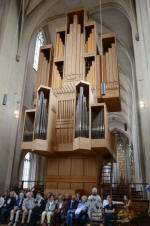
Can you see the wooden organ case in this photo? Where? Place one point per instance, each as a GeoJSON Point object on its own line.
{"type": "Point", "coordinates": [69, 124]}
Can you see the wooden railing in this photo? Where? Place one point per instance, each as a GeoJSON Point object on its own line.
{"type": "Point", "coordinates": [135, 191]}
{"type": "Point", "coordinates": [31, 185]}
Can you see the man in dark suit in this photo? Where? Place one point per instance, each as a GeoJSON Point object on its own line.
{"type": "Point", "coordinates": [16, 210]}
{"type": "Point", "coordinates": [38, 209]}
{"type": "Point", "coordinates": [71, 210]}
{"type": "Point", "coordinates": [7, 207]}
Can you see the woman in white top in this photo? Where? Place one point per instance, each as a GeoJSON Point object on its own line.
{"type": "Point", "coordinates": [105, 201]}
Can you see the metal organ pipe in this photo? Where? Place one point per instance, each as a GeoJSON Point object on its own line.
{"type": "Point", "coordinates": [98, 128]}
{"type": "Point", "coordinates": [41, 118]}
{"type": "Point", "coordinates": [82, 114]}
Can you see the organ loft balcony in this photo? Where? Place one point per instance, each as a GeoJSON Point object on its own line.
{"type": "Point", "coordinates": [71, 125]}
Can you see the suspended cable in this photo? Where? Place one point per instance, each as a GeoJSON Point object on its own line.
{"type": "Point", "coordinates": [101, 29]}
{"type": "Point", "coordinates": [103, 86]}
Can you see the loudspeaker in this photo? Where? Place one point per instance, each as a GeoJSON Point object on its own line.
{"type": "Point", "coordinates": [4, 99]}
{"type": "Point", "coordinates": [125, 127]}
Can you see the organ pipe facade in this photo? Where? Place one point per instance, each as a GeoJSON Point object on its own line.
{"type": "Point", "coordinates": [69, 123]}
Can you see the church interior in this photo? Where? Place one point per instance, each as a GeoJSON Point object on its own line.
{"type": "Point", "coordinates": [74, 97]}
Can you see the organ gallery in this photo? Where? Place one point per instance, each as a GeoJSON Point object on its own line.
{"type": "Point", "coordinates": [76, 87]}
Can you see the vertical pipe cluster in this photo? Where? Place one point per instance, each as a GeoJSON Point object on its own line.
{"type": "Point", "coordinates": [110, 67]}
{"type": "Point", "coordinates": [74, 50]}
{"type": "Point", "coordinates": [57, 82]}
{"type": "Point", "coordinates": [97, 123]}
{"type": "Point", "coordinates": [82, 114]}
{"type": "Point", "coordinates": [90, 77]}
{"type": "Point", "coordinates": [90, 42]}
{"type": "Point", "coordinates": [59, 46]}
{"type": "Point", "coordinates": [28, 127]}
{"type": "Point", "coordinates": [43, 71]}
{"type": "Point", "coordinates": [41, 119]}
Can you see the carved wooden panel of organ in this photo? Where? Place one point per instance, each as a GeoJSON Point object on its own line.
{"type": "Point", "coordinates": [69, 125]}
{"type": "Point", "coordinates": [65, 124]}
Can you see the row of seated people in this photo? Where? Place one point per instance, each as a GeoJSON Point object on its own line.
{"type": "Point", "coordinates": [62, 210]}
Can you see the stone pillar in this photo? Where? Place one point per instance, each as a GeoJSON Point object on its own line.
{"type": "Point", "coordinates": [142, 63]}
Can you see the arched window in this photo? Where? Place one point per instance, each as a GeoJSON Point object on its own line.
{"type": "Point", "coordinates": [40, 40]}
{"type": "Point", "coordinates": [26, 169]}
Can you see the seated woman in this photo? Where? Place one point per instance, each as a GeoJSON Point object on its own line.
{"type": "Point", "coordinates": [81, 212]}
{"type": "Point", "coordinates": [71, 210]}
{"type": "Point", "coordinates": [109, 213]}
{"type": "Point", "coordinates": [105, 201]}
{"type": "Point", "coordinates": [60, 211]}
{"type": "Point", "coordinates": [128, 211]}
{"type": "Point", "coordinates": [49, 210]}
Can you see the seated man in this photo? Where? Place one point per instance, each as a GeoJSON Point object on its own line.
{"type": "Point", "coordinates": [81, 212]}
{"type": "Point", "coordinates": [109, 213]}
{"type": "Point", "coordinates": [27, 207]}
{"type": "Point", "coordinates": [38, 209]}
{"type": "Point", "coordinates": [7, 207]}
{"type": "Point", "coordinates": [16, 210]}
{"type": "Point", "coordinates": [49, 209]}
{"type": "Point", "coordinates": [71, 210]}
{"type": "Point", "coordinates": [78, 197]}
{"type": "Point", "coordinates": [95, 206]}
{"type": "Point", "coordinates": [68, 200]}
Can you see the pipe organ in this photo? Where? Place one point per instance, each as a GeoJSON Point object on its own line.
{"type": "Point", "coordinates": [69, 124]}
